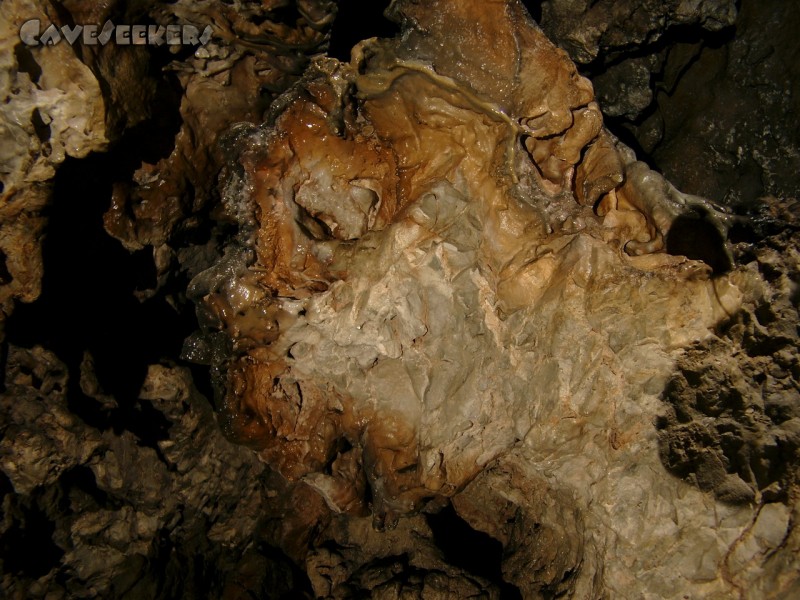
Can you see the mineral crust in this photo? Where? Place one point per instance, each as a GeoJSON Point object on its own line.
{"type": "Point", "coordinates": [448, 287]}
{"type": "Point", "coordinates": [457, 324]}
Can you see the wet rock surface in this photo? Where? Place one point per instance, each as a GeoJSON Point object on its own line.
{"type": "Point", "coordinates": [461, 342]}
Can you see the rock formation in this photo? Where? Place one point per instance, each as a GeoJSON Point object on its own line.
{"type": "Point", "coordinates": [462, 342]}
{"type": "Point", "coordinates": [701, 87]}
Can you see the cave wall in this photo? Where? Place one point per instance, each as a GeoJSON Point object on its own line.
{"type": "Point", "coordinates": [705, 90]}
{"type": "Point", "coordinates": [664, 467]}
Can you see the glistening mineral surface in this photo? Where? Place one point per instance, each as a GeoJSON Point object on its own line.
{"type": "Point", "coordinates": [448, 284]}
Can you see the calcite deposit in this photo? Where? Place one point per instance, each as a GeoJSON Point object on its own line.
{"type": "Point", "coordinates": [462, 340]}
{"type": "Point", "coordinates": [49, 110]}
{"type": "Point", "coordinates": [446, 287]}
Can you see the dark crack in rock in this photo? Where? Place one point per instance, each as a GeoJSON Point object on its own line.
{"type": "Point", "coordinates": [591, 28]}
{"type": "Point", "coordinates": [700, 88]}
{"type": "Point", "coordinates": [744, 89]}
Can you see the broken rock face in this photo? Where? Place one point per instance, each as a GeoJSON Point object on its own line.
{"type": "Point", "coordinates": [444, 288]}
{"type": "Point", "coordinates": [49, 110]}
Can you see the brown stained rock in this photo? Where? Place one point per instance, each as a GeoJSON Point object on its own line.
{"type": "Point", "coordinates": [442, 326]}
{"type": "Point", "coordinates": [521, 71]}
{"type": "Point", "coordinates": [251, 58]}
{"type": "Point", "coordinates": [599, 172]}
{"type": "Point", "coordinates": [343, 198]}
{"type": "Point", "coordinates": [446, 316]}
{"type": "Point", "coordinates": [732, 422]}
{"type": "Point", "coordinates": [50, 108]}
{"type": "Point", "coordinates": [540, 530]}
{"type": "Point", "coordinates": [109, 503]}
{"type": "Point", "coordinates": [168, 193]}
{"type": "Point", "coordinates": [91, 509]}
{"type": "Point", "coordinates": [41, 438]}
{"type": "Point", "coordinates": [20, 243]}
{"type": "Point", "coordinates": [352, 559]}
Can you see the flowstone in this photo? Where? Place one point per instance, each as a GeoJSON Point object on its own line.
{"type": "Point", "coordinates": [448, 286]}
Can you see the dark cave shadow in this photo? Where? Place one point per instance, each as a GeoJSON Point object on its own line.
{"type": "Point", "coordinates": [675, 35]}
{"type": "Point", "coordinates": [87, 300]}
{"type": "Point", "coordinates": [534, 8]}
{"type": "Point", "coordinates": [88, 303]}
{"type": "Point", "coordinates": [358, 20]}
{"type": "Point", "coordinates": [696, 237]}
{"type": "Point", "coordinates": [474, 551]}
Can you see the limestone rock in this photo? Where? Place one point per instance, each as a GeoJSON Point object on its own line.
{"type": "Point", "coordinates": [702, 87]}
{"type": "Point", "coordinates": [420, 311]}
{"type": "Point", "coordinates": [471, 346]}
{"type": "Point", "coordinates": [743, 148]}
{"type": "Point", "coordinates": [116, 502]}
{"type": "Point", "coordinates": [51, 108]}
{"type": "Point", "coordinates": [52, 103]}
{"type": "Point", "coordinates": [588, 28]}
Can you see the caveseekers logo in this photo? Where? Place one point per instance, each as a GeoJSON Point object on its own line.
{"type": "Point", "coordinates": [31, 34]}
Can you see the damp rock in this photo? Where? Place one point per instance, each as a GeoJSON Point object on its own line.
{"type": "Point", "coordinates": [454, 338]}
{"type": "Point", "coordinates": [52, 104]}
{"type": "Point", "coordinates": [454, 282]}
{"type": "Point", "coordinates": [51, 108]}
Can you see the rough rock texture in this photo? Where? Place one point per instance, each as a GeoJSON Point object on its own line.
{"type": "Point", "coordinates": [95, 512]}
{"type": "Point", "coordinates": [116, 479]}
{"type": "Point", "coordinates": [49, 109]}
{"type": "Point", "coordinates": [623, 45]}
{"type": "Point", "coordinates": [746, 89]}
{"type": "Point", "coordinates": [703, 88]}
{"type": "Point", "coordinates": [406, 228]}
{"type": "Point", "coordinates": [733, 423]}
{"type": "Point", "coordinates": [444, 321]}
{"type": "Point", "coordinates": [63, 101]}
{"type": "Point", "coordinates": [589, 28]}
{"type": "Point", "coordinates": [418, 309]}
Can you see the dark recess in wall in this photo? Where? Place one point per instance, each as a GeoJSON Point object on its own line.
{"type": "Point", "coordinates": [27, 547]}
{"type": "Point", "coordinates": [626, 128]}
{"type": "Point", "coordinates": [534, 8]}
{"type": "Point", "coordinates": [696, 237]}
{"type": "Point", "coordinates": [87, 300]}
{"type": "Point", "coordinates": [358, 20]}
{"type": "Point", "coordinates": [472, 550]}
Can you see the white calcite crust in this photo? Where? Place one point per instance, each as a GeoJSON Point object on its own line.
{"type": "Point", "coordinates": [460, 274]}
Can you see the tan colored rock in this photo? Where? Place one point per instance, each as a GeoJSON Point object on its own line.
{"type": "Point", "coordinates": [447, 316]}
{"type": "Point", "coordinates": [52, 104]}
{"type": "Point", "coordinates": [50, 108]}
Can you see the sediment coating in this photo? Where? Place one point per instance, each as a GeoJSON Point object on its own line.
{"type": "Point", "coordinates": [446, 261]}
{"type": "Point", "coordinates": [399, 228]}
